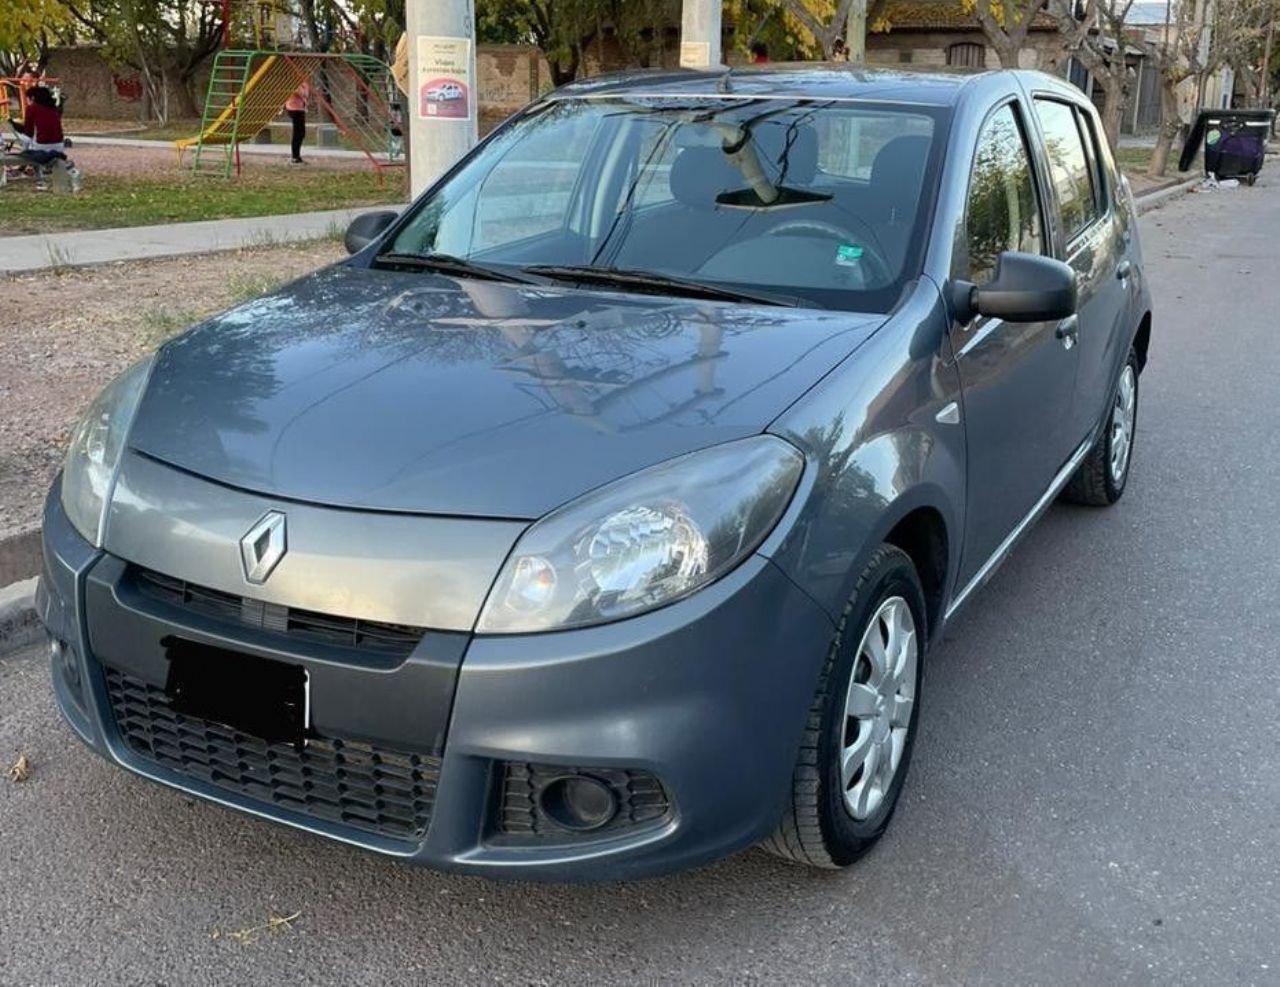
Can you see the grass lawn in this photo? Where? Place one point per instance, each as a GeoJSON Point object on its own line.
{"type": "Point", "coordinates": [1134, 159]}
{"type": "Point", "coordinates": [110, 201]}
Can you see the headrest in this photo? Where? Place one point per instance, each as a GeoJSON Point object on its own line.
{"type": "Point", "coordinates": [793, 146]}
{"type": "Point", "coordinates": [789, 153]}
{"type": "Point", "coordinates": [699, 174]}
{"type": "Point", "coordinates": [901, 163]}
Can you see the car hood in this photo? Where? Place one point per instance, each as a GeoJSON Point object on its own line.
{"type": "Point", "coordinates": [414, 392]}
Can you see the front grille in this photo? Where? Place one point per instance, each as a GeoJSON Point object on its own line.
{"type": "Point", "coordinates": [641, 799]}
{"type": "Point", "coordinates": [388, 640]}
{"type": "Point", "coordinates": [368, 788]}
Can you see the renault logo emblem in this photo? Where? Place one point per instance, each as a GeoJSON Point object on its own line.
{"type": "Point", "coordinates": [263, 547]}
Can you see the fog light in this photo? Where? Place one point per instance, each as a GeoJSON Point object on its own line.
{"type": "Point", "coordinates": [578, 802]}
{"type": "Point", "coordinates": [63, 657]}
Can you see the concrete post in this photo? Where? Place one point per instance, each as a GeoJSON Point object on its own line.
{"type": "Point", "coordinates": [700, 34]}
{"type": "Point", "coordinates": [855, 35]}
{"type": "Point", "coordinates": [442, 113]}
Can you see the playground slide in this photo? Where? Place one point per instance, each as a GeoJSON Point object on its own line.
{"type": "Point", "coordinates": [256, 105]}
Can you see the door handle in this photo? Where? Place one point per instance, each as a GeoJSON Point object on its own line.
{"type": "Point", "coordinates": [1124, 269]}
{"type": "Point", "coordinates": [1068, 330]}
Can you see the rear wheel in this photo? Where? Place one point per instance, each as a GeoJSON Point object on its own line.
{"type": "Point", "coordinates": [1101, 478]}
{"type": "Point", "coordinates": [857, 743]}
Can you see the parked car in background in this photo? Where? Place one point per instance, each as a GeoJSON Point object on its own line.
{"type": "Point", "coordinates": [596, 517]}
{"type": "Point", "coordinates": [445, 93]}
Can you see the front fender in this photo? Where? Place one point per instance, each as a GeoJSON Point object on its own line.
{"type": "Point", "coordinates": [871, 434]}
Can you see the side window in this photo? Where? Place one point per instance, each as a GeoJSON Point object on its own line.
{"type": "Point", "coordinates": [1093, 149]}
{"type": "Point", "coordinates": [1003, 210]}
{"type": "Point", "coordinates": [529, 192]}
{"type": "Point", "coordinates": [1073, 178]}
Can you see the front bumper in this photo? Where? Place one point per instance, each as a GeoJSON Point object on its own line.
{"type": "Point", "coordinates": [707, 696]}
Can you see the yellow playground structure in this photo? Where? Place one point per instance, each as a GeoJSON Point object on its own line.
{"type": "Point", "coordinates": [248, 88]}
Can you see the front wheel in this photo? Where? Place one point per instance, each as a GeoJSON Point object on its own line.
{"type": "Point", "coordinates": [1101, 478]}
{"type": "Point", "coordinates": [857, 743]}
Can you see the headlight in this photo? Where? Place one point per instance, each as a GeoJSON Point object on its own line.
{"type": "Point", "coordinates": [94, 452]}
{"type": "Point", "coordinates": [646, 540]}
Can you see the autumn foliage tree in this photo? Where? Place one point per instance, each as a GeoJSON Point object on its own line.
{"type": "Point", "coordinates": [28, 30]}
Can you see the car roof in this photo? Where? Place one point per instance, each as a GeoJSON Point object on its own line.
{"type": "Point", "coordinates": [800, 80]}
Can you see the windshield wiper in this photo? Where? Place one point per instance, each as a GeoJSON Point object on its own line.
{"type": "Point", "coordinates": [627, 278]}
{"type": "Point", "coordinates": [448, 264]}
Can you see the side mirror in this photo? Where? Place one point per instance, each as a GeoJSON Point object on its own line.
{"type": "Point", "coordinates": [366, 228]}
{"type": "Point", "coordinates": [1026, 288]}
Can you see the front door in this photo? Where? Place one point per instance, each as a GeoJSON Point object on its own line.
{"type": "Point", "coordinates": [1017, 378]}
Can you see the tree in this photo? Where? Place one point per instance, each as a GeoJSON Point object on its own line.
{"type": "Point", "coordinates": [1199, 37]}
{"type": "Point", "coordinates": [561, 28]}
{"type": "Point", "coordinates": [165, 41]}
{"type": "Point", "coordinates": [1006, 24]}
{"type": "Point", "coordinates": [827, 20]}
{"type": "Point", "coordinates": [1096, 37]}
{"type": "Point", "coordinates": [28, 29]}
{"type": "Point", "coordinates": [1243, 38]}
{"type": "Point", "coordinates": [640, 28]}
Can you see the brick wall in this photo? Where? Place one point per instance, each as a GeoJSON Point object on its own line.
{"type": "Point", "coordinates": [929, 48]}
{"type": "Point", "coordinates": [508, 77]}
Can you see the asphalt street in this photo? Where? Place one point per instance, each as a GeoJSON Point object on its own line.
{"type": "Point", "coordinates": [1095, 796]}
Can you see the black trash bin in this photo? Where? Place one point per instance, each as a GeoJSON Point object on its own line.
{"type": "Point", "coordinates": [1235, 142]}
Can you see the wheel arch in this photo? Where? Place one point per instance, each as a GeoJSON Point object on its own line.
{"type": "Point", "coordinates": [921, 521]}
{"type": "Point", "coordinates": [922, 533]}
{"type": "Point", "coordinates": [1142, 340]}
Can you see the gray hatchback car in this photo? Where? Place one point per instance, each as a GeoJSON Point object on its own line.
{"type": "Point", "coordinates": [594, 519]}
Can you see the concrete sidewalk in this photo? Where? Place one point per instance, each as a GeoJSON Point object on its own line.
{"type": "Point", "coordinates": [74, 249]}
{"type": "Point", "coordinates": [308, 150]}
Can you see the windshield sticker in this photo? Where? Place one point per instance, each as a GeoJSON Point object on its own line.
{"type": "Point", "coordinates": [848, 255]}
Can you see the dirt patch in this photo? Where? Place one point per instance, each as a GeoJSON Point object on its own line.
{"type": "Point", "coordinates": [67, 334]}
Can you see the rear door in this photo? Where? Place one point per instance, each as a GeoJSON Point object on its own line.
{"type": "Point", "coordinates": [1090, 227]}
{"type": "Point", "coordinates": [1017, 378]}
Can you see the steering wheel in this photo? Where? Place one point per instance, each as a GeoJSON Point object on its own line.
{"type": "Point", "coordinates": [872, 252]}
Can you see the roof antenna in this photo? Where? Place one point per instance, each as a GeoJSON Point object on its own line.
{"type": "Point", "coordinates": [725, 84]}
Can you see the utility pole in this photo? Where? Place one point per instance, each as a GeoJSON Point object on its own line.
{"type": "Point", "coordinates": [700, 34]}
{"type": "Point", "coordinates": [855, 33]}
{"type": "Point", "coordinates": [442, 115]}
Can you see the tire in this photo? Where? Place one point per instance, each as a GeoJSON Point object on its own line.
{"type": "Point", "coordinates": [819, 828]}
{"type": "Point", "coordinates": [1097, 483]}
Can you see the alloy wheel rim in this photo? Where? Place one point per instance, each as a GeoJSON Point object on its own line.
{"type": "Point", "coordinates": [877, 709]}
{"type": "Point", "coordinates": [1122, 420]}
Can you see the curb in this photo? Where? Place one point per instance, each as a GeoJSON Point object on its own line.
{"type": "Point", "coordinates": [1157, 198]}
{"type": "Point", "coordinates": [19, 625]}
{"type": "Point", "coordinates": [36, 252]}
{"type": "Point", "coordinates": [20, 556]}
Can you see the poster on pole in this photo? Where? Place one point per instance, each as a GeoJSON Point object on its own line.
{"type": "Point", "coordinates": [445, 90]}
{"type": "Point", "coordinates": [695, 54]}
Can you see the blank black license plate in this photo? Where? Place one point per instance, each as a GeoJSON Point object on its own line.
{"type": "Point", "coordinates": [263, 698]}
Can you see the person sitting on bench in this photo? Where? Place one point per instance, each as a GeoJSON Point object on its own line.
{"type": "Point", "coordinates": [42, 137]}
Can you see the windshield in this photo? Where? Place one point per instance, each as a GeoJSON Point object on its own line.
{"type": "Point", "coordinates": [825, 202]}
